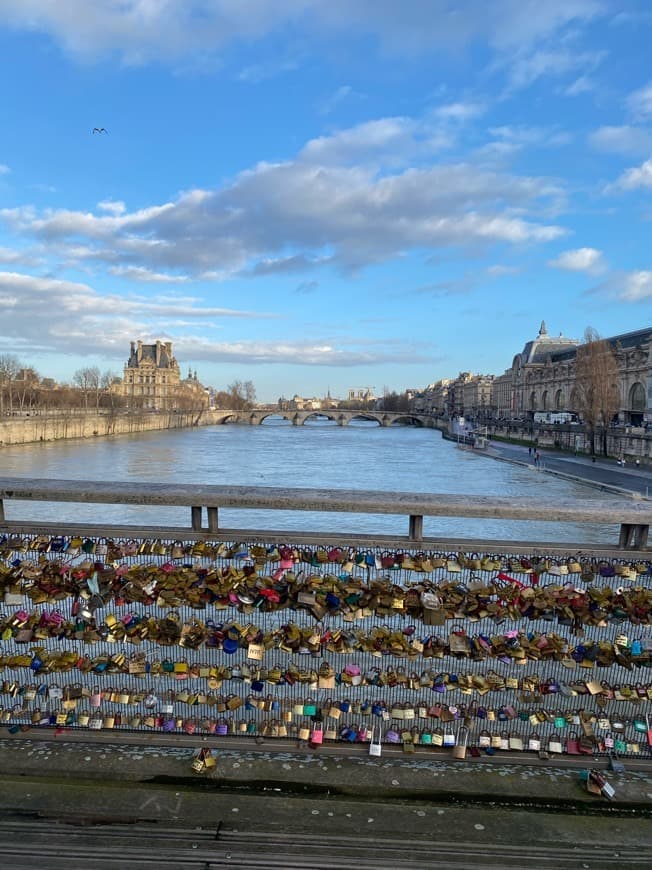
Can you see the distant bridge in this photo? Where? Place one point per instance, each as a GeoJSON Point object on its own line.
{"type": "Point", "coordinates": [338, 415]}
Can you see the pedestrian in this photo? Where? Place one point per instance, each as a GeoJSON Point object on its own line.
{"type": "Point", "coordinates": [638, 463]}
{"type": "Point", "coordinates": [537, 458]}
{"type": "Point", "coordinates": [529, 450]}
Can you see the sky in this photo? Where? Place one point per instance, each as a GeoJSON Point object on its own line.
{"type": "Point", "coordinates": [321, 195]}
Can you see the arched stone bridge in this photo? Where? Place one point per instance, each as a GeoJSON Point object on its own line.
{"type": "Point", "coordinates": [339, 416]}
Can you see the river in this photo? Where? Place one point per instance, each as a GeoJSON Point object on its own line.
{"type": "Point", "coordinates": [318, 455]}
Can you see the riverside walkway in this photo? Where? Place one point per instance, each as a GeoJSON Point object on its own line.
{"type": "Point", "coordinates": [602, 473]}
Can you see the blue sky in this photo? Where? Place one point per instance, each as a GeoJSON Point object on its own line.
{"type": "Point", "coordinates": [318, 194]}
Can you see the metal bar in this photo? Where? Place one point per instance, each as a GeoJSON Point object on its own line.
{"type": "Point", "coordinates": [2, 511]}
{"type": "Point", "coordinates": [213, 524]}
{"type": "Point", "coordinates": [641, 537]}
{"type": "Point", "coordinates": [625, 532]}
{"type": "Point", "coordinates": [344, 501]}
{"type": "Point", "coordinates": [415, 532]}
{"type": "Point", "coordinates": [195, 514]}
{"type": "Point", "coordinates": [316, 538]}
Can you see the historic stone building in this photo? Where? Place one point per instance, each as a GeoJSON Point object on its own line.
{"type": "Point", "coordinates": [538, 383]}
{"type": "Point", "coordinates": [542, 378]}
{"type": "Point", "coordinates": [543, 375]}
{"type": "Point", "coordinates": [152, 380]}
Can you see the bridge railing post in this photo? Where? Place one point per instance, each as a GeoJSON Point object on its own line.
{"type": "Point", "coordinates": [213, 525]}
{"type": "Point", "coordinates": [633, 536]}
{"type": "Point", "coordinates": [415, 530]}
{"type": "Point", "coordinates": [195, 518]}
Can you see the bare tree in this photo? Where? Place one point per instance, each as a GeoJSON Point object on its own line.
{"type": "Point", "coordinates": [10, 365]}
{"type": "Point", "coordinates": [88, 381]}
{"type": "Point", "coordinates": [596, 386]}
{"type": "Point", "coordinates": [107, 380]}
{"type": "Point", "coordinates": [242, 396]}
{"type": "Point", "coordinates": [25, 385]}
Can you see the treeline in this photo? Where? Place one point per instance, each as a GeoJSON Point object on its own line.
{"type": "Point", "coordinates": [238, 396]}
{"type": "Point", "coordinates": [23, 389]}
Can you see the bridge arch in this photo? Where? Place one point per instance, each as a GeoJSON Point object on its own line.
{"type": "Point", "coordinates": [330, 415]}
{"type": "Point", "coordinates": [413, 419]}
{"type": "Point", "coordinates": [365, 415]}
{"type": "Point", "coordinates": [260, 416]}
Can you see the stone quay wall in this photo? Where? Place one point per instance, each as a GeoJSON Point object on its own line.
{"type": "Point", "coordinates": [56, 427]}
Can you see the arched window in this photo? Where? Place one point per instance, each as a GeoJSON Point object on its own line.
{"type": "Point", "coordinates": [637, 397]}
{"type": "Point", "coordinates": [559, 400]}
{"type": "Point", "coordinates": [544, 401]}
{"type": "Point", "coordinates": [533, 401]}
{"type": "Point", "coordinates": [574, 402]}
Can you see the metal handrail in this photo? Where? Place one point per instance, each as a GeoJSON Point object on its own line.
{"type": "Point", "coordinates": [634, 519]}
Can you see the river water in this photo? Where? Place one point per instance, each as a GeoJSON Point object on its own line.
{"type": "Point", "coordinates": [318, 455]}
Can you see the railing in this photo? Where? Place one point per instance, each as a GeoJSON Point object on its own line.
{"type": "Point", "coordinates": [633, 519]}
{"type": "Point", "coordinates": [191, 631]}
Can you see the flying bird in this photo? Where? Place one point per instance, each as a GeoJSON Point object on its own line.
{"type": "Point", "coordinates": [100, 130]}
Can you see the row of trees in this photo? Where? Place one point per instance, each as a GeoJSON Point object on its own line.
{"type": "Point", "coordinates": [238, 396]}
{"type": "Point", "coordinates": [22, 390]}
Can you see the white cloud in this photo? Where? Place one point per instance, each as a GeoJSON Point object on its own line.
{"type": "Point", "coordinates": [333, 100]}
{"type": "Point", "coordinates": [53, 316]}
{"type": "Point", "coordinates": [112, 206]}
{"type": "Point", "coordinates": [635, 177]}
{"type": "Point", "coordinates": [139, 273]}
{"type": "Point", "coordinates": [622, 140]}
{"type": "Point", "coordinates": [4, 169]}
{"type": "Point", "coordinates": [11, 255]}
{"type": "Point", "coordinates": [459, 112]}
{"type": "Point", "coordinates": [588, 260]}
{"type": "Point", "coordinates": [521, 136]}
{"type": "Point", "coordinates": [138, 31]}
{"type": "Point", "coordinates": [639, 103]}
{"type": "Point", "coordinates": [260, 72]}
{"type": "Point", "coordinates": [367, 141]}
{"type": "Point", "coordinates": [499, 269]}
{"type": "Point", "coordinates": [637, 286]}
{"type": "Point", "coordinates": [581, 85]}
{"type": "Point", "coordinates": [347, 199]}
{"type": "Point", "coordinates": [526, 67]}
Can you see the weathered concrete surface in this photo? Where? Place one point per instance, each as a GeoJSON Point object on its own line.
{"type": "Point", "coordinates": [423, 777]}
{"type": "Point", "coordinates": [345, 501]}
{"type": "Point", "coordinates": [302, 810]}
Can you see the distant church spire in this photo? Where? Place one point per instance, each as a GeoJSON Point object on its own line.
{"type": "Point", "coordinates": [542, 328]}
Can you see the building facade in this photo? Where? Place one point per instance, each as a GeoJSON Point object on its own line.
{"type": "Point", "coordinates": [152, 380]}
{"type": "Point", "coordinates": [542, 378]}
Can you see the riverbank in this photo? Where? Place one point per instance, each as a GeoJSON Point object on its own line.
{"type": "Point", "coordinates": [62, 427]}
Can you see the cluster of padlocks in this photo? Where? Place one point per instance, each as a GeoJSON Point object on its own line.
{"type": "Point", "coordinates": [490, 652]}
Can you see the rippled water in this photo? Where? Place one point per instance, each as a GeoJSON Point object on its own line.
{"type": "Point", "coordinates": [319, 454]}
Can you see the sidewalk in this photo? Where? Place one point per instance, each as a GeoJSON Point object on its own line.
{"type": "Point", "coordinates": [604, 474]}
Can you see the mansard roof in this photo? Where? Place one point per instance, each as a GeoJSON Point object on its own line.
{"type": "Point", "coordinates": [625, 340]}
{"type": "Point", "coordinates": [147, 353]}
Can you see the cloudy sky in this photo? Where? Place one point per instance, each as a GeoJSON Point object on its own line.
{"type": "Point", "coordinates": [321, 193]}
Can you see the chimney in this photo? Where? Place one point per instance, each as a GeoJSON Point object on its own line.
{"type": "Point", "coordinates": [140, 350]}
{"type": "Point", "coordinates": [158, 354]}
